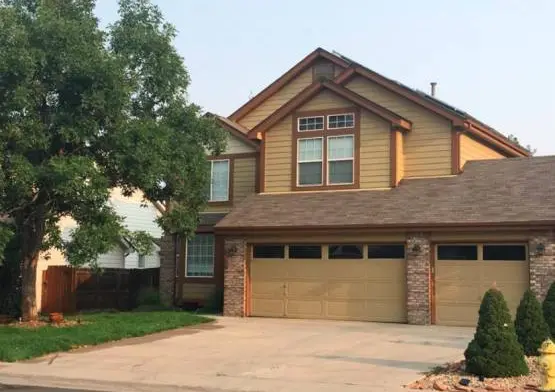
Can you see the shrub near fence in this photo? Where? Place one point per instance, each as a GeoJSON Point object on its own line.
{"type": "Point", "coordinates": [68, 290]}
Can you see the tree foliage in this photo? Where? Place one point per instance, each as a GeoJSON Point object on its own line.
{"type": "Point", "coordinates": [549, 309]}
{"type": "Point", "coordinates": [495, 351]}
{"type": "Point", "coordinates": [531, 328]}
{"type": "Point", "coordinates": [83, 110]}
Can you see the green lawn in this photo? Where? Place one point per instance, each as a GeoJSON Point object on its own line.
{"type": "Point", "coordinates": [17, 343]}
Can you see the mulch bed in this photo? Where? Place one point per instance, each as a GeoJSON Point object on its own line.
{"type": "Point", "coordinates": [448, 377]}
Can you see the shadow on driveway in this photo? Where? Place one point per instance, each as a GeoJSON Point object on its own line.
{"type": "Point", "coordinates": [393, 363]}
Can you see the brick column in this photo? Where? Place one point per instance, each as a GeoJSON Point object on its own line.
{"type": "Point", "coordinates": [418, 279]}
{"type": "Point", "coordinates": [167, 269]}
{"type": "Point", "coordinates": [542, 262]}
{"type": "Point", "coordinates": [235, 277]}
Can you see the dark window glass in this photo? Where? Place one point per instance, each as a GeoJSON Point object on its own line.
{"type": "Point", "coordinates": [386, 251]}
{"type": "Point", "coordinates": [268, 251]}
{"type": "Point", "coordinates": [345, 251]}
{"type": "Point", "coordinates": [457, 252]}
{"type": "Point", "coordinates": [305, 252]}
{"type": "Point", "coordinates": [504, 252]}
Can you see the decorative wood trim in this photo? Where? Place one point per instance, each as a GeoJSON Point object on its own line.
{"type": "Point", "coordinates": [262, 160]}
{"type": "Point", "coordinates": [455, 151]}
{"type": "Point", "coordinates": [324, 134]}
{"type": "Point", "coordinates": [393, 158]}
{"type": "Point", "coordinates": [232, 156]}
{"type": "Point", "coordinates": [432, 285]}
{"type": "Point", "coordinates": [279, 83]}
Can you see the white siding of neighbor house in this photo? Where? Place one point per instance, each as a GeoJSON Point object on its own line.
{"type": "Point", "coordinates": [151, 261]}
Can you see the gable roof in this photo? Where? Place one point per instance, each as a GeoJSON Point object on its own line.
{"type": "Point", "coordinates": [343, 92]}
{"type": "Point", "coordinates": [291, 74]}
{"type": "Point", "coordinates": [500, 192]}
{"type": "Point", "coordinates": [236, 129]}
{"type": "Point", "coordinates": [461, 119]}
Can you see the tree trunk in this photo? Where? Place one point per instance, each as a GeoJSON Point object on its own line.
{"type": "Point", "coordinates": [32, 227]}
{"type": "Point", "coordinates": [29, 311]}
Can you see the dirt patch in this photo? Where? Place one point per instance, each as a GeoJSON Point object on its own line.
{"type": "Point", "coordinates": [41, 323]}
{"type": "Point", "coordinates": [448, 377]}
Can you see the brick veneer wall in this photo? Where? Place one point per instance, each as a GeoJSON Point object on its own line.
{"type": "Point", "coordinates": [418, 279]}
{"type": "Point", "coordinates": [167, 269]}
{"type": "Point", "coordinates": [235, 271]}
{"type": "Point", "coordinates": [542, 263]}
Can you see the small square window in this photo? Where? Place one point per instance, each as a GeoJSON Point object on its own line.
{"type": "Point", "coordinates": [310, 123]}
{"type": "Point", "coordinates": [339, 121]}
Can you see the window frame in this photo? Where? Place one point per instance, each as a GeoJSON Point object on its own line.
{"type": "Point", "coordinates": [299, 162]}
{"type": "Point", "coordinates": [329, 160]}
{"type": "Point", "coordinates": [340, 114]}
{"type": "Point", "coordinates": [229, 160]}
{"type": "Point", "coordinates": [325, 134]}
{"type": "Point", "coordinates": [185, 275]}
{"type": "Point", "coordinates": [310, 130]}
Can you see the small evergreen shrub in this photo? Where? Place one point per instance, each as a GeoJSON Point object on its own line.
{"type": "Point", "coordinates": [530, 326]}
{"type": "Point", "coordinates": [549, 309]}
{"type": "Point", "coordinates": [495, 351]}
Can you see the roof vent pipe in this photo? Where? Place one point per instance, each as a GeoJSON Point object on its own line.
{"type": "Point", "coordinates": [433, 85]}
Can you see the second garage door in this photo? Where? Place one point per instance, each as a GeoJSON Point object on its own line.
{"type": "Point", "coordinates": [464, 272]}
{"type": "Point", "coordinates": [335, 281]}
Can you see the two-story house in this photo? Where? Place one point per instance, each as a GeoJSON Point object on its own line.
{"type": "Point", "coordinates": [347, 195]}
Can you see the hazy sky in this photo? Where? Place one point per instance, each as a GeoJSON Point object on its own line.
{"type": "Point", "coordinates": [492, 58]}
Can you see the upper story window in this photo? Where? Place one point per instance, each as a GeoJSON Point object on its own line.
{"type": "Point", "coordinates": [219, 180]}
{"type": "Point", "coordinates": [310, 123]}
{"type": "Point", "coordinates": [339, 121]}
{"type": "Point", "coordinates": [326, 157]}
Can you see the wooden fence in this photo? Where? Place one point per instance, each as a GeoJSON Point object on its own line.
{"type": "Point", "coordinates": [68, 290]}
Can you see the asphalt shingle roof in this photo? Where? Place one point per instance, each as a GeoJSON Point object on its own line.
{"type": "Point", "coordinates": [517, 190]}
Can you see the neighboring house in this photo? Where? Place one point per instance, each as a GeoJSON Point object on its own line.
{"type": "Point", "coordinates": [137, 216]}
{"type": "Point", "coordinates": [346, 195]}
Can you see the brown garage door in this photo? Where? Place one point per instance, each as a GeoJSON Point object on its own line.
{"type": "Point", "coordinates": [464, 272]}
{"type": "Point", "coordinates": [336, 281]}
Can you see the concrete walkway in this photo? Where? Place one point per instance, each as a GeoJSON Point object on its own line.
{"type": "Point", "coordinates": [253, 354]}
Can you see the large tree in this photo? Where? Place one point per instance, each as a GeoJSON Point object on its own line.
{"type": "Point", "coordinates": [85, 109]}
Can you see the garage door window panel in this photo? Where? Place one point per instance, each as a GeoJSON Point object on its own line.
{"type": "Point", "coordinates": [268, 251]}
{"type": "Point", "coordinates": [396, 251]}
{"type": "Point", "coordinates": [305, 252]}
{"type": "Point", "coordinates": [345, 251]}
{"type": "Point", "coordinates": [505, 252]}
{"type": "Point", "coordinates": [457, 252]}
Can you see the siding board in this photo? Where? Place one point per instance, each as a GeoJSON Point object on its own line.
{"type": "Point", "coordinates": [427, 148]}
{"type": "Point", "coordinates": [472, 150]}
{"type": "Point", "coordinates": [277, 100]}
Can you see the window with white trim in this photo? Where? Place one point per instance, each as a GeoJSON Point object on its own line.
{"type": "Point", "coordinates": [219, 180]}
{"type": "Point", "coordinates": [309, 158]}
{"type": "Point", "coordinates": [341, 158]}
{"type": "Point", "coordinates": [315, 123]}
{"type": "Point", "coordinates": [338, 121]}
{"type": "Point", "coordinates": [200, 256]}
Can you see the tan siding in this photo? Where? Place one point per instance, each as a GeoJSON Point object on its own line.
{"type": "Point", "coordinates": [244, 173]}
{"type": "Point", "coordinates": [472, 149]}
{"type": "Point", "coordinates": [277, 155]}
{"type": "Point", "coordinates": [198, 291]}
{"type": "Point", "coordinates": [277, 100]}
{"type": "Point", "coordinates": [427, 147]}
{"type": "Point", "coordinates": [374, 152]}
{"type": "Point", "coordinates": [237, 146]}
{"type": "Point", "coordinates": [325, 100]}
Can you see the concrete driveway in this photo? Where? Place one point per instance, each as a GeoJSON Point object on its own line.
{"type": "Point", "coordinates": [254, 354]}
